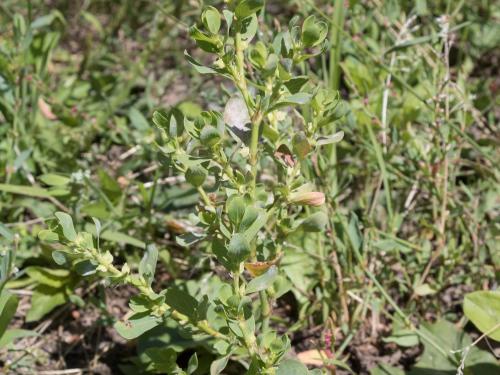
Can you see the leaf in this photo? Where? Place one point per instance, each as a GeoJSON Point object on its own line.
{"type": "Point", "coordinates": [299, 98]}
{"type": "Point", "coordinates": [313, 32]}
{"type": "Point", "coordinates": [235, 208]}
{"type": "Point", "coordinates": [12, 334]}
{"type": "Point", "coordinates": [296, 83]}
{"type": "Point", "coordinates": [211, 19]}
{"type": "Point", "coordinates": [192, 364]}
{"type": "Point", "coordinates": [43, 301]}
{"type": "Point", "coordinates": [198, 66]}
{"type": "Point", "coordinates": [424, 290]}
{"type": "Point", "coordinates": [208, 43]}
{"type": "Point", "coordinates": [137, 119]}
{"type": "Point", "coordinates": [52, 179]}
{"type": "Point", "coordinates": [137, 325]}
{"type": "Point", "coordinates": [246, 8]}
{"type": "Point", "coordinates": [219, 365]}
{"type": "Point", "coordinates": [147, 266]}
{"type": "Point", "coordinates": [334, 138]}
{"type": "Point", "coordinates": [55, 278]}
{"type": "Point", "coordinates": [31, 191]}
{"type": "Point", "coordinates": [66, 223]}
{"type": "Point", "coordinates": [238, 248]}
{"type": "Point", "coordinates": [251, 223]}
{"type": "Point", "coordinates": [182, 301]}
{"type": "Point", "coordinates": [292, 367]}
{"type": "Point", "coordinates": [85, 268]}
{"type": "Point", "coordinates": [48, 235]}
{"type": "Point", "coordinates": [315, 222]}
{"type": "Point", "coordinates": [483, 309]}
{"type": "Point", "coordinates": [8, 307]}
{"type": "Point", "coordinates": [262, 282]}
{"type": "Point", "coordinates": [383, 369]}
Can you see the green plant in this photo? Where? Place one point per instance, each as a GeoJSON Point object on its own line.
{"type": "Point", "coordinates": [247, 165]}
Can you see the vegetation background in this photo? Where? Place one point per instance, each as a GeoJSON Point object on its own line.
{"type": "Point", "coordinates": [413, 193]}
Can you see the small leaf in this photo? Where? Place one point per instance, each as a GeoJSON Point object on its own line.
{"type": "Point", "coordinates": [235, 209]}
{"type": "Point", "coordinates": [299, 98]}
{"type": "Point", "coordinates": [246, 8]}
{"type": "Point", "coordinates": [218, 365]}
{"type": "Point", "coordinates": [192, 364]}
{"type": "Point", "coordinates": [262, 282]}
{"type": "Point", "coordinates": [196, 175]}
{"type": "Point", "coordinates": [182, 301]}
{"type": "Point", "coordinates": [292, 367]}
{"type": "Point", "coordinates": [334, 138]}
{"type": "Point", "coordinates": [85, 268]}
{"type": "Point", "coordinates": [66, 223]}
{"type": "Point", "coordinates": [211, 19]}
{"type": "Point", "coordinates": [48, 236]}
{"type": "Point", "coordinates": [8, 307]}
{"type": "Point", "coordinates": [137, 325]}
{"type": "Point", "coordinates": [483, 309]}
{"type": "Point", "coordinates": [315, 223]}
{"type": "Point", "coordinates": [210, 136]}
{"type": "Point", "coordinates": [313, 32]}
{"type": "Point", "coordinates": [147, 266]}
{"type": "Point", "coordinates": [238, 248]}
{"type": "Point", "coordinates": [52, 179]}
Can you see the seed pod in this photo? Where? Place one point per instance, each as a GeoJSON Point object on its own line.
{"type": "Point", "coordinates": [196, 175]}
{"type": "Point", "coordinates": [310, 198]}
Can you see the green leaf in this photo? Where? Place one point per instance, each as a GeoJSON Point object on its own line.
{"type": "Point", "coordinates": [235, 208]}
{"type": "Point", "coordinates": [315, 223]}
{"type": "Point", "coordinates": [85, 268]}
{"type": "Point", "coordinates": [196, 175]}
{"type": "Point", "coordinates": [483, 309]}
{"type": "Point", "coordinates": [117, 237]}
{"type": "Point", "coordinates": [66, 223]}
{"type": "Point", "coordinates": [48, 236]}
{"type": "Point", "coordinates": [299, 98]}
{"type": "Point", "coordinates": [211, 19]}
{"type": "Point", "coordinates": [210, 136]}
{"type": "Point", "coordinates": [219, 365]}
{"type": "Point", "coordinates": [43, 301]}
{"type": "Point", "coordinates": [334, 138]}
{"type": "Point", "coordinates": [208, 43]}
{"type": "Point", "coordinates": [313, 32]}
{"type": "Point", "coordinates": [192, 364]}
{"type": "Point", "coordinates": [263, 281]}
{"type": "Point", "coordinates": [52, 179]}
{"type": "Point", "coordinates": [292, 367]}
{"type": "Point", "coordinates": [253, 220]}
{"type": "Point", "coordinates": [31, 191]}
{"type": "Point", "coordinates": [147, 266]}
{"type": "Point", "coordinates": [55, 278]}
{"type": "Point", "coordinates": [384, 369]}
{"type": "Point", "coordinates": [12, 334]}
{"type": "Point", "coordinates": [238, 248]}
{"type": "Point", "coordinates": [301, 145]}
{"type": "Point", "coordinates": [182, 301]}
{"type": "Point", "coordinates": [296, 83]}
{"type": "Point", "coordinates": [246, 8]}
{"type": "Point", "coordinates": [8, 307]}
{"type": "Point", "coordinates": [137, 325]}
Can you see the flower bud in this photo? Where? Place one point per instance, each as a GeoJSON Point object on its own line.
{"type": "Point", "coordinates": [308, 198]}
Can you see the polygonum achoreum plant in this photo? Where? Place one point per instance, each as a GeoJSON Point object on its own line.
{"type": "Point", "coordinates": [246, 164]}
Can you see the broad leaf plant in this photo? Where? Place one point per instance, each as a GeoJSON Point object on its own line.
{"type": "Point", "coordinates": [251, 166]}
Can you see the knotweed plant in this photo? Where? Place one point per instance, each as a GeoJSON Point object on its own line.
{"type": "Point", "coordinates": [246, 164]}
